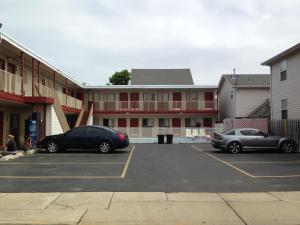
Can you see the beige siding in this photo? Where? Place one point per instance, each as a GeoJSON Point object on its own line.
{"type": "Point", "coordinates": [52, 123]}
{"type": "Point", "coordinates": [288, 89]}
{"type": "Point", "coordinates": [249, 99]}
{"type": "Point", "coordinates": [226, 103]}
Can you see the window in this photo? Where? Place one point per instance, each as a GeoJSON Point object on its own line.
{"type": "Point", "coordinates": [149, 97]}
{"type": "Point", "coordinates": [148, 122]}
{"type": "Point", "coordinates": [192, 96]}
{"type": "Point", "coordinates": [164, 122]}
{"type": "Point", "coordinates": [163, 97]}
{"type": "Point", "coordinates": [111, 97]}
{"type": "Point", "coordinates": [76, 132]}
{"type": "Point", "coordinates": [108, 122]}
{"type": "Point", "coordinates": [92, 131]}
{"type": "Point", "coordinates": [252, 132]}
{"type": "Point", "coordinates": [283, 74]}
{"type": "Point", "coordinates": [284, 112]}
{"type": "Point", "coordinates": [231, 132]}
{"type": "Point", "coordinates": [190, 122]}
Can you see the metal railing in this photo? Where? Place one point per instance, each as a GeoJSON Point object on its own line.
{"type": "Point", "coordinates": [178, 132]}
{"type": "Point", "coordinates": [44, 89]}
{"type": "Point", "coordinates": [10, 83]}
{"type": "Point", "coordinates": [155, 105]}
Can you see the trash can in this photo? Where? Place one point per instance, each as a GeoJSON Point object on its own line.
{"type": "Point", "coordinates": [160, 138]}
{"type": "Point", "coordinates": [169, 138]}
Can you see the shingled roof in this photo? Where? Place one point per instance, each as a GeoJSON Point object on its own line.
{"type": "Point", "coordinates": [246, 80]}
{"type": "Point", "coordinates": [161, 77]}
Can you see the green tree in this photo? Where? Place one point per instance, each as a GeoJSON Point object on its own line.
{"type": "Point", "coordinates": [120, 78]}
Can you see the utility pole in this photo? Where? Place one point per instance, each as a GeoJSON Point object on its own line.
{"type": "Point", "coordinates": [235, 91]}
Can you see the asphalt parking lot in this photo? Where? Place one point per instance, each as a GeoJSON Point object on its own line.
{"type": "Point", "coordinates": [152, 167]}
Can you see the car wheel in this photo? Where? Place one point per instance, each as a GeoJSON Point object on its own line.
{"type": "Point", "coordinates": [234, 147]}
{"type": "Point", "coordinates": [105, 147]}
{"type": "Point", "coordinates": [287, 147]}
{"type": "Point", "coordinates": [52, 147]}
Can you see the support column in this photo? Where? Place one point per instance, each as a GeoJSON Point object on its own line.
{"type": "Point", "coordinates": [66, 92]}
{"type": "Point", "coordinates": [54, 76]}
{"type": "Point", "coordinates": [32, 78]}
{"type": "Point", "coordinates": [22, 73]}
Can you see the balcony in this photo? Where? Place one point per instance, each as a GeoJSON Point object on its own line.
{"type": "Point", "coordinates": [155, 106]}
{"type": "Point", "coordinates": [10, 83]}
{"type": "Point", "coordinates": [43, 88]}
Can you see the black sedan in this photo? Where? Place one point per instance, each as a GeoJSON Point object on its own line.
{"type": "Point", "coordinates": [85, 137]}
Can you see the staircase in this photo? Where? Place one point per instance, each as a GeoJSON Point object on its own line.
{"type": "Point", "coordinates": [262, 111]}
{"type": "Point", "coordinates": [85, 116]}
{"type": "Point", "coordinates": [60, 112]}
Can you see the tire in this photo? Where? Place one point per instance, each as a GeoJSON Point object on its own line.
{"type": "Point", "coordinates": [234, 147]}
{"type": "Point", "coordinates": [52, 147]}
{"type": "Point", "coordinates": [105, 147]}
{"type": "Point", "coordinates": [287, 147]}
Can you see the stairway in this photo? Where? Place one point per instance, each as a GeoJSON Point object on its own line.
{"type": "Point", "coordinates": [84, 116]}
{"type": "Point", "coordinates": [60, 112]}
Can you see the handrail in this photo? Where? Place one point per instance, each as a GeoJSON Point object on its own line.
{"type": "Point", "coordinates": [10, 82]}
{"type": "Point", "coordinates": [91, 111]}
{"type": "Point", "coordinates": [155, 105]}
{"type": "Point", "coordinates": [79, 118]}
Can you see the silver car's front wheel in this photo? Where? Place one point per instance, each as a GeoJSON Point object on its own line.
{"type": "Point", "coordinates": [234, 147]}
{"type": "Point", "coordinates": [52, 147]}
{"type": "Point", "coordinates": [287, 147]}
{"type": "Point", "coordinates": [104, 147]}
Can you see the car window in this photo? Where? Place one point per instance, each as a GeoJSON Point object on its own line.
{"type": "Point", "coordinates": [251, 132]}
{"type": "Point", "coordinates": [76, 132]}
{"type": "Point", "coordinates": [231, 132]}
{"type": "Point", "coordinates": [92, 131]}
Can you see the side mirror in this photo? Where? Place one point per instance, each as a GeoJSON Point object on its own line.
{"type": "Point", "coordinates": [266, 135]}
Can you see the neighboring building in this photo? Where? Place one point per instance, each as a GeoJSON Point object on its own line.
{"type": "Point", "coordinates": [38, 99]}
{"type": "Point", "coordinates": [285, 83]}
{"type": "Point", "coordinates": [243, 95]}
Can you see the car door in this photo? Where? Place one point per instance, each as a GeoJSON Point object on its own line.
{"type": "Point", "coordinates": [247, 138]}
{"type": "Point", "coordinates": [264, 140]}
{"type": "Point", "coordinates": [92, 137]}
{"type": "Point", "coordinates": [74, 139]}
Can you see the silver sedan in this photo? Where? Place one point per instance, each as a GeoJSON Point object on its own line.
{"type": "Point", "coordinates": [236, 140]}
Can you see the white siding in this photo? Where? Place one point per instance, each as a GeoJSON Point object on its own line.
{"type": "Point", "coordinates": [226, 103]}
{"type": "Point", "coordinates": [52, 123]}
{"type": "Point", "coordinates": [249, 99]}
{"type": "Point", "coordinates": [288, 89]}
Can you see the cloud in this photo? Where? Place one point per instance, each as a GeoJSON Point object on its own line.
{"type": "Point", "coordinates": [91, 39]}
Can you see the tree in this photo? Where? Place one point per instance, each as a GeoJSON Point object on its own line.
{"type": "Point", "coordinates": [120, 78]}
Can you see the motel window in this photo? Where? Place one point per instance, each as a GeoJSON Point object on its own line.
{"type": "Point", "coordinates": [190, 122]}
{"type": "Point", "coordinates": [149, 97]}
{"type": "Point", "coordinates": [284, 112]}
{"type": "Point", "coordinates": [163, 97]}
{"type": "Point", "coordinates": [148, 122]}
{"type": "Point", "coordinates": [192, 96]}
{"type": "Point", "coordinates": [283, 74]}
{"type": "Point", "coordinates": [164, 122]}
{"type": "Point", "coordinates": [110, 97]}
{"type": "Point", "coordinates": [109, 122]}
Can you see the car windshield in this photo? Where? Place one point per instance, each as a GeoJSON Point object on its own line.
{"type": "Point", "coordinates": [231, 132]}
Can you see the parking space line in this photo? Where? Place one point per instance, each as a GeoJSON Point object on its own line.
{"type": "Point", "coordinates": [266, 162]}
{"type": "Point", "coordinates": [127, 163]}
{"type": "Point", "coordinates": [226, 163]}
{"type": "Point", "coordinates": [92, 163]}
{"type": "Point", "coordinates": [60, 177]}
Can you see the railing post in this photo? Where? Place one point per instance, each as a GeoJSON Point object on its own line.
{"type": "Point", "coordinates": [285, 127]}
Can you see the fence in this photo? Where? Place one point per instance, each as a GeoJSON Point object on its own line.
{"type": "Point", "coordinates": [286, 128]}
{"type": "Point", "coordinates": [257, 123]}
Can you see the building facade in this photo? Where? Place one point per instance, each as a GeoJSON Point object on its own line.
{"type": "Point", "coordinates": [285, 81]}
{"type": "Point", "coordinates": [240, 95]}
{"type": "Point", "coordinates": [37, 99]}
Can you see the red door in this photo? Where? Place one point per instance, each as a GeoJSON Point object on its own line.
{"type": "Point", "coordinates": [124, 100]}
{"type": "Point", "coordinates": [134, 100]}
{"type": "Point", "coordinates": [176, 100]}
{"type": "Point", "coordinates": [176, 122]}
{"type": "Point", "coordinates": [1, 128]}
{"type": "Point", "coordinates": [122, 122]}
{"type": "Point", "coordinates": [134, 122]}
{"type": "Point", "coordinates": [207, 122]}
{"type": "Point", "coordinates": [209, 98]}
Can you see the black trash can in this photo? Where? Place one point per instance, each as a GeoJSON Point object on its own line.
{"type": "Point", "coordinates": [169, 138]}
{"type": "Point", "coordinates": [160, 138]}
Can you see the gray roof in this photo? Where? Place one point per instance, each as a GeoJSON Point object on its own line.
{"type": "Point", "coordinates": [248, 80]}
{"type": "Point", "coordinates": [161, 77]}
{"type": "Point", "coordinates": [282, 55]}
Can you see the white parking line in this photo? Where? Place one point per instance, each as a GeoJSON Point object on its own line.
{"type": "Point", "coordinates": [89, 163]}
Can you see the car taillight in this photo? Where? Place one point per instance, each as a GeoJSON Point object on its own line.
{"type": "Point", "coordinates": [122, 137]}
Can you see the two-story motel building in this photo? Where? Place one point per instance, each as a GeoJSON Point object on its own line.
{"type": "Point", "coordinates": [37, 98]}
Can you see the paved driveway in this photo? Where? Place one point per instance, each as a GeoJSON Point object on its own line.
{"type": "Point", "coordinates": [152, 167]}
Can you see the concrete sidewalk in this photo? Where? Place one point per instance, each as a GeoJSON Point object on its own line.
{"type": "Point", "coordinates": [150, 208]}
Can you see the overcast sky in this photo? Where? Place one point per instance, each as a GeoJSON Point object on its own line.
{"type": "Point", "coordinates": [91, 39]}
